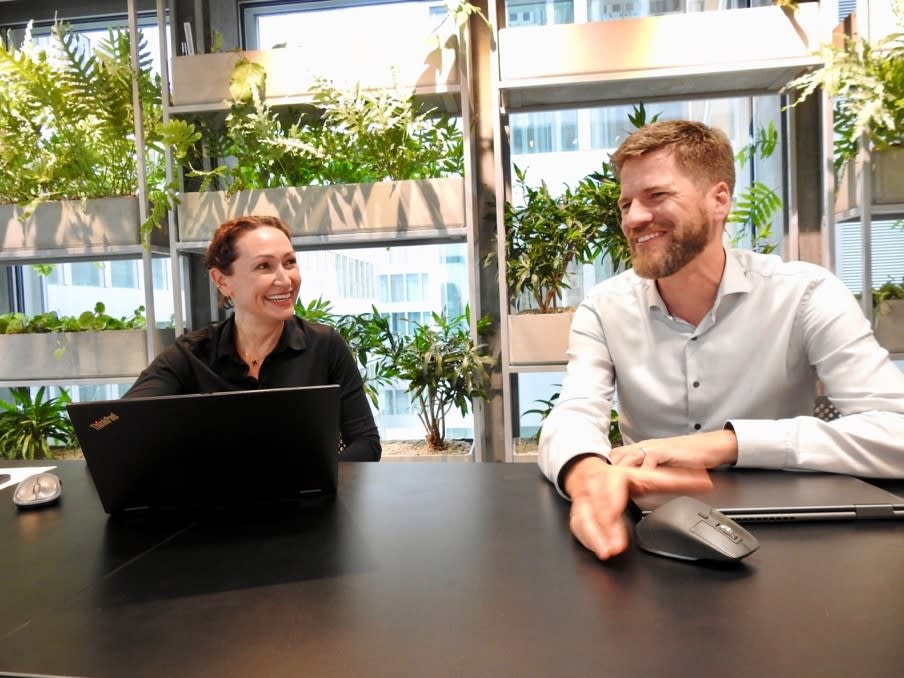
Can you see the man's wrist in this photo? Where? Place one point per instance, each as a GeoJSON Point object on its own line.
{"type": "Point", "coordinates": [567, 470]}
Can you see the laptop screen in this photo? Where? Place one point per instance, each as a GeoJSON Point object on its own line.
{"type": "Point", "coordinates": [211, 450]}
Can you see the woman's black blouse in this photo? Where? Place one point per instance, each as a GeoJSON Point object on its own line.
{"type": "Point", "coordinates": [308, 354]}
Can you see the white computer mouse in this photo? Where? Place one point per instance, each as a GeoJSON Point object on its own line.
{"type": "Point", "coordinates": [39, 489]}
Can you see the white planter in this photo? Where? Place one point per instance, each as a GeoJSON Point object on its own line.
{"type": "Point", "coordinates": [888, 319]}
{"type": "Point", "coordinates": [202, 80]}
{"type": "Point", "coordinates": [390, 207]}
{"type": "Point", "coordinates": [887, 185]}
{"type": "Point", "coordinates": [676, 55]}
{"type": "Point", "coordinates": [539, 338]}
{"type": "Point", "coordinates": [71, 225]}
{"type": "Point", "coordinates": [79, 355]}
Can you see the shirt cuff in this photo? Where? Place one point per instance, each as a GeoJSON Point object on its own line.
{"type": "Point", "coordinates": [568, 465]}
{"type": "Point", "coordinates": [763, 444]}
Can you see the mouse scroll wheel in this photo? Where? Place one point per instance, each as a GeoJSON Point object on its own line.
{"type": "Point", "coordinates": [727, 530]}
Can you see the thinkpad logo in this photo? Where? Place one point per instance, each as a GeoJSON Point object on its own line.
{"type": "Point", "coordinates": [104, 421]}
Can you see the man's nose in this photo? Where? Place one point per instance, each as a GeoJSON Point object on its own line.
{"type": "Point", "coordinates": [635, 215]}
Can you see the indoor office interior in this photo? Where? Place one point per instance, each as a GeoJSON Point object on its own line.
{"type": "Point", "coordinates": [551, 134]}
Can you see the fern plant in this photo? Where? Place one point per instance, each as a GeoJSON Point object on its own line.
{"type": "Point", "coordinates": [755, 208]}
{"type": "Point", "coordinates": [346, 136]}
{"type": "Point", "coordinates": [67, 124]}
{"type": "Point", "coordinates": [866, 81]}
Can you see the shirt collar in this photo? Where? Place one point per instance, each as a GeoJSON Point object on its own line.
{"type": "Point", "coordinates": [292, 338]}
{"type": "Point", "coordinates": [734, 281]}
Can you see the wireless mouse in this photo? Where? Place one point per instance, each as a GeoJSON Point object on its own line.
{"type": "Point", "coordinates": [688, 529]}
{"type": "Point", "coordinates": [39, 489]}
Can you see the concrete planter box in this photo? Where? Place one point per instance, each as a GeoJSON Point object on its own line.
{"type": "Point", "coordinates": [887, 183]}
{"type": "Point", "coordinates": [202, 80]}
{"type": "Point", "coordinates": [754, 50]}
{"type": "Point", "coordinates": [539, 338]}
{"type": "Point", "coordinates": [391, 207]}
{"type": "Point", "coordinates": [69, 225]}
{"type": "Point", "coordinates": [114, 354]}
{"type": "Point", "coordinates": [889, 322]}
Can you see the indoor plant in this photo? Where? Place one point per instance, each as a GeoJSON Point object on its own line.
{"type": "Point", "coordinates": [368, 335]}
{"type": "Point", "coordinates": [92, 344]}
{"type": "Point", "coordinates": [67, 133]}
{"type": "Point", "coordinates": [443, 368]}
{"type": "Point", "coordinates": [29, 425]}
{"type": "Point", "coordinates": [888, 315]}
{"type": "Point", "coordinates": [866, 81]}
{"type": "Point", "coordinates": [369, 159]}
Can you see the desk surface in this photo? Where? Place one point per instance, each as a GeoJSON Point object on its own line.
{"type": "Point", "coordinates": [426, 569]}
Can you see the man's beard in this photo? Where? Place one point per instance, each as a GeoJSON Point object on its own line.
{"type": "Point", "coordinates": [687, 243]}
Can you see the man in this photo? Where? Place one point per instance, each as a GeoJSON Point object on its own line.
{"type": "Point", "coordinates": [715, 353]}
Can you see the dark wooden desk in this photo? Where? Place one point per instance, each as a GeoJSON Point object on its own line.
{"type": "Point", "coordinates": [432, 570]}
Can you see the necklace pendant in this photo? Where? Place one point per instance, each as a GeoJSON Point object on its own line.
{"type": "Point", "coordinates": [253, 363]}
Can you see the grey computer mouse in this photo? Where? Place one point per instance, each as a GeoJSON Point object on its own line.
{"type": "Point", "coordinates": [688, 529]}
{"type": "Point", "coordinates": [39, 489]}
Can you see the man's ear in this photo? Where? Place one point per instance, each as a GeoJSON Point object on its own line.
{"type": "Point", "coordinates": [721, 196]}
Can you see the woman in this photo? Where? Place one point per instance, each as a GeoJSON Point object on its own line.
{"type": "Point", "coordinates": [263, 344]}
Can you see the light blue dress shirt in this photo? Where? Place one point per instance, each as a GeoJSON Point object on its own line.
{"type": "Point", "coordinates": [776, 329]}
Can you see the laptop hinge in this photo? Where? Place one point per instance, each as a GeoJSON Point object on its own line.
{"type": "Point", "coordinates": [869, 511]}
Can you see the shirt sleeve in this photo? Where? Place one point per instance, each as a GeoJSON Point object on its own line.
{"type": "Point", "coordinates": [859, 379]}
{"type": "Point", "coordinates": [579, 422]}
{"type": "Point", "coordinates": [360, 436]}
{"type": "Point", "coordinates": [167, 374]}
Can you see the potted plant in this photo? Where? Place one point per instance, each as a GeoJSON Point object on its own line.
{"type": "Point", "coordinates": [356, 160]}
{"type": "Point", "coordinates": [68, 160]}
{"type": "Point", "coordinates": [444, 368]}
{"type": "Point", "coordinates": [866, 81]}
{"type": "Point", "coordinates": [888, 315]}
{"type": "Point", "coordinates": [368, 335]}
{"type": "Point", "coordinates": [31, 427]}
{"type": "Point", "coordinates": [94, 344]}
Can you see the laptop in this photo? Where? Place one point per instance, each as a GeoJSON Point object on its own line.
{"type": "Point", "coordinates": [211, 450]}
{"type": "Point", "coordinates": [749, 495]}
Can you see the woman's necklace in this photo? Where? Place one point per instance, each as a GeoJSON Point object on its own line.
{"type": "Point", "coordinates": [254, 359]}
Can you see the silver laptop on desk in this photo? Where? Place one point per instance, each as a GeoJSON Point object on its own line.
{"type": "Point", "coordinates": [211, 450]}
{"type": "Point", "coordinates": [764, 495]}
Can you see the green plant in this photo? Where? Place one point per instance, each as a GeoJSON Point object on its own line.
{"type": "Point", "coordinates": [548, 234]}
{"type": "Point", "coordinates": [866, 81]}
{"type": "Point", "coordinates": [615, 437]}
{"type": "Point", "coordinates": [444, 368]}
{"type": "Point", "coordinates": [756, 206]}
{"type": "Point", "coordinates": [67, 124]}
{"type": "Point", "coordinates": [90, 321]}
{"type": "Point", "coordinates": [887, 291]}
{"type": "Point", "coordinates": [368, 335]}
{"type": "Point", "coordinates": [29, 426]}
{"type": "Point", "coordinates": [348, 136]}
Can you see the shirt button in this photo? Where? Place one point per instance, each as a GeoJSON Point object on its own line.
{"type": "Point", "coordinates": [696, 384]}
{"type": "Point", "coordinates": [696, 427]}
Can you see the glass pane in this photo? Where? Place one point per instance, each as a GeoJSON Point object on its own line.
{"type": "Point", "coordinates": [86, 274]}
{"type": "Point", "coordinates": [124, 273]}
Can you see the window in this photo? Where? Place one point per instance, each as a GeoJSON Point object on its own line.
{"type": "Point", "coordinates": [86, 274]}
{"type": "Point", "coordinates": [124, 273]}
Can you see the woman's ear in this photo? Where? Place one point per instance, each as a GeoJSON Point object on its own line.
{"type": "Point", "coordinates": [219, 280]}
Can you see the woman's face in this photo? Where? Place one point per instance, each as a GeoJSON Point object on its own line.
{"type": "Point", "coordinates": [265, 278]}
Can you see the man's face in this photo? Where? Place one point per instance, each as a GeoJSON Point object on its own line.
{"type": "Point", "coordinates": [667, 216]}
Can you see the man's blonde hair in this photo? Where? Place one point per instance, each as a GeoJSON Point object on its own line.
{"type": "Point", "coordinates": [703, 151]}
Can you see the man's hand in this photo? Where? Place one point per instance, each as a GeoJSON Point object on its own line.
{"type": "Point", "coordinates": [707, 450]}
{"type": "Point", "coordinates": [599, 494]}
